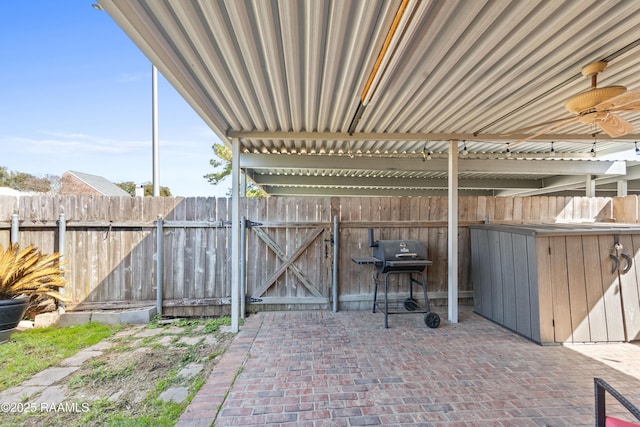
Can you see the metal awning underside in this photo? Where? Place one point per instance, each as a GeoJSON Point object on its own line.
{"type": "Point", "coordinates": [289, 79]}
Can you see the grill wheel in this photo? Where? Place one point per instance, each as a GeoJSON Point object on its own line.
{"type": "Point", "coordinates": [411, 304]}
{"type": "Point", "coordinates": [432, 320]}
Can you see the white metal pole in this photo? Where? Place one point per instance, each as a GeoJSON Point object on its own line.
{"type": "Point", "coordinates": [336, 253]}
{"type": "Point", "coordinates": [623, 186]}
{"type": "Point", "coordinates": [243, 266]}
{"type": "Point", "coordinates": [452, 232]}
{"type": "Point", "coordinates": [15, 228]}
{"type": "Point", "coordinates": [154, 130]}
{"type": "Point", "coordinates": [62, 234]}
{"type": "Point", "coordinates": [235, 235]}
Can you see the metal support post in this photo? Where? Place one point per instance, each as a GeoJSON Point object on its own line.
{"type": "Point", "coordinates": [154, 131]}
{"type": "Point", "coordinates": [452, 233]}
{"type": "Point", "coordinates": [159, 252]}
{"type": "Point", "coordinates": [235, 235]}
{"type": "Point", "coordinates": [14, 229]}
{"type": "Point", "coordinates": [243, 266]}
{"type": "Point", "coordinates": [336, 229]}
{"type": "Point", "coordinates": [62, 231]}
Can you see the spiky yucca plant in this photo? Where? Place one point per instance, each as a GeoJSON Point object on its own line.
{"type": "Point", "coordinates": [29, 272]}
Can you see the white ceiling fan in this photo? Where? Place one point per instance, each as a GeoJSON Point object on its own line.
{"type": "Point", "coordinates": [597, 106]}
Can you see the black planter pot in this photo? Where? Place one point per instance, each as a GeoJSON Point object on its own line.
{"type": "Point", "coordinates": [11, 312]}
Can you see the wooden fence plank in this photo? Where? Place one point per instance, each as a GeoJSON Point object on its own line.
{"type": "Point", "coordinates": [197, 260]}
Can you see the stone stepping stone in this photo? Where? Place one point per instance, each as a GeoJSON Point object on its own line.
{"type": "Point", "coordinates": [174, 394]}
{"type": "Point", "coordinates": [190, 370]}
{"type": "Point", "coordinates": [80, 357]}
{"type": "Point", "coordinates": [50, 376]}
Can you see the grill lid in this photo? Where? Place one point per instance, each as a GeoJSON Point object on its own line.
{"type": "Point", "coordinates": [395, 255]}
{"type": "Point", "coordinates": [400, 250]}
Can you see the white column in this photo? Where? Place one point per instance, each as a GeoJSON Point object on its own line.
{"type": "Point", "coordinates": [590, 186]}
{"type": "Point", "coordinates": [235, 235]}
{"type": "Point", "coordinates": [452, 234]}
{"type": "Point", "coordinates": [243, 184]}
{"type": "Point", "coordinates": [154, 131]}
{"type": "Point", "coordinates": [622, 187]}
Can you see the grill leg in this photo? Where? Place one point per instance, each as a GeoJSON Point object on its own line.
{"type": "Point", "coordinates": [411, 280]}
{"type": "Point", "coordinates": [375, 291]}
{"type": "Point", "coordinates": [386, 303]}
{"type": "Point", "coordinates": [424, 291]}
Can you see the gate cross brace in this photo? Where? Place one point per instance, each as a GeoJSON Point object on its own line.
{"type": "Point", "coordinates": [287, 262]}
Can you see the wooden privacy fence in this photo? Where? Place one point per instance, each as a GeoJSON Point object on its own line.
{"type": "Point", "coordinates": [111, 244]}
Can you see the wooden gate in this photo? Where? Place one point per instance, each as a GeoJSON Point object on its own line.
{"type": "Point", "coordinates": [289, 266]}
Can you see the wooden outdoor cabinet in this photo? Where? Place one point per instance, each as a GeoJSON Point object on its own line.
{"type": "Point", "coordinates": [559, 283]}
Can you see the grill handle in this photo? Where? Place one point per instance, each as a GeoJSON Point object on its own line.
{"type": "Point", "coordinates": [407, 255]}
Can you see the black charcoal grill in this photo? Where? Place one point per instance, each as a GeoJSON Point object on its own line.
{"type": "Point", "coordinates": [399, 257]}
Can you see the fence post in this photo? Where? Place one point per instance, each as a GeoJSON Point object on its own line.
{"type": "Point", "coordinates": [62, 231]}
{"type": "Point", "coordinates": [159, 252]}
{"type": "Point", "coordinates": [14, 229]}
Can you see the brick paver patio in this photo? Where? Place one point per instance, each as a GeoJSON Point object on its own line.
{"type": "Point", "coordinates": [344, 369]}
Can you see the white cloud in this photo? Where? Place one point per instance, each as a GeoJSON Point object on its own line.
{"type": "Point", "coordinates": [75, 144]}
{"type": "Point", "coordinates": [133, 77]}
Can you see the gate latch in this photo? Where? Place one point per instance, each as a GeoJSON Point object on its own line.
{"type": "Point", "coordinates": [326, 248]}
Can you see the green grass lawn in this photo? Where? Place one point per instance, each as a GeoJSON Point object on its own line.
{"type": "Point", "coordinates": [29, 352]}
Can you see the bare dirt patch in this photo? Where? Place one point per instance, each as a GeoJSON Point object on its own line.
{"type": "Point", "coordinates": [144, 376]}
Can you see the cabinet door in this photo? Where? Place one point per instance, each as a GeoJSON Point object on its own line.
{"type": "Point", "coordinates": [594, 264]}
{"type": "Point", "coordinates": [628, 276]}
{"type": "Point", "coordinates": [610, 291]}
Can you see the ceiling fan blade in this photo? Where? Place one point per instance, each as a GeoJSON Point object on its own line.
{"type": "Point", "coordinates": [537, 125]}
{"type": "Point", "coordinates": [621, 102]}
{"type": "Point", "coordinates": [614, 125]}
{"type": "Point", "coordinates": [632, 106]}
{"type": "Point", "coordinates": [556, 124]}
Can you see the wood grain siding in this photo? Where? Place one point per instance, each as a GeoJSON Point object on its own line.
{"type": "Point", "coordinates": [557, 281]}
{"type": "Point", "coordinates": [577, 289]}
{"type": "Point", "coordinates": [610, 291]}
{"type": "Point", "coordinates": [521, 261]}
{"type": "Point", "coordinates": [478, 273]}
{"type": "Point", "coordinates": [629, 287]}
{"type": "Point", "coordinates": [593, 267]}
{"type": "Point", "coordinates": [508, 280]}
{"type": "Point", "coordinates": [545, 295]}
{"type": "Point", "coordinates": [497, 280]}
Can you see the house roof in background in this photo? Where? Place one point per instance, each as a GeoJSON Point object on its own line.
{"type": "Point", "coordinates": [99, 183]}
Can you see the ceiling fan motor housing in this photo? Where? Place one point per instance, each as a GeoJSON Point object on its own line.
{"type": "Point", "coordinates": [586, 101]}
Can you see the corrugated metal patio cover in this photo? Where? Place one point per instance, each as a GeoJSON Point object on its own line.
{"type": "Point", "coordinates": [291, 77]}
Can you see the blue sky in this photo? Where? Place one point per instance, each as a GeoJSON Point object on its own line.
{"type": "Point", "coordinates": [75, 94]}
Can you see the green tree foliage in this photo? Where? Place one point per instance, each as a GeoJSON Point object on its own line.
{"type": "Point", "coordinates": [130, 187]}
{"type": "Point", "coordinates": [223, 154]}
{"type": "Point", "coordinates": [222, 162]}
{"type": "Point", "coordinates": [23, 181]}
